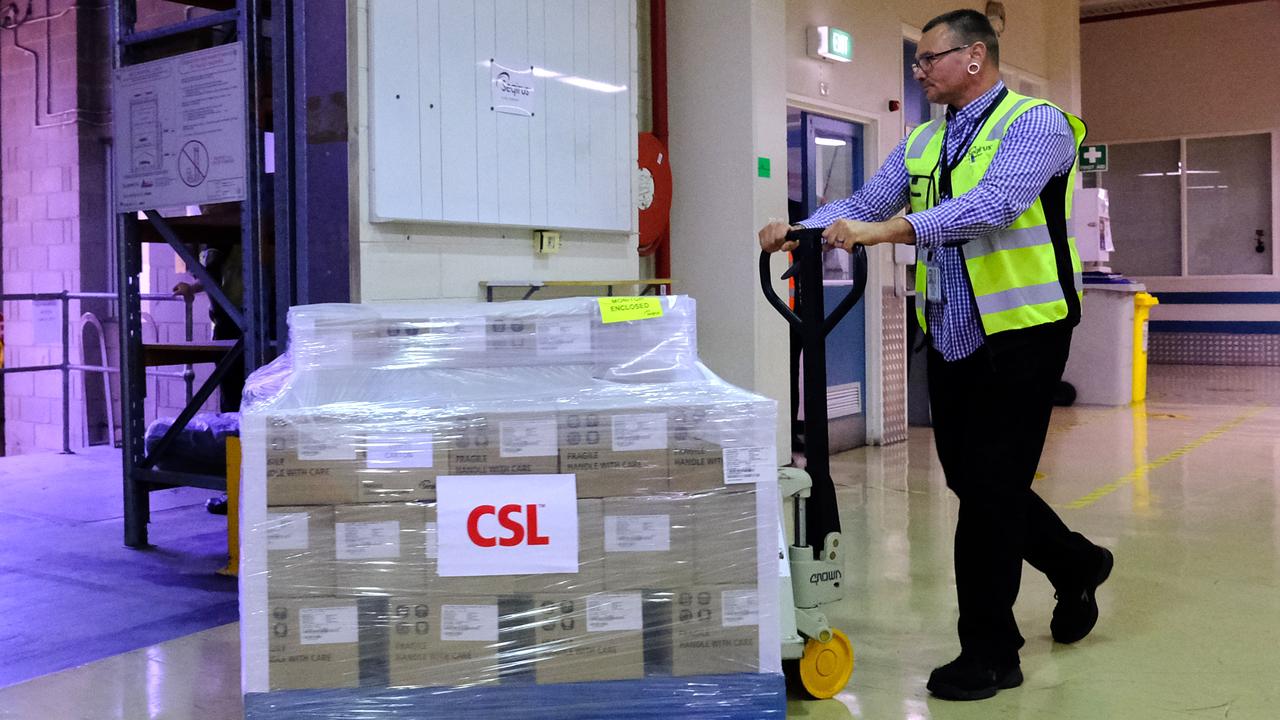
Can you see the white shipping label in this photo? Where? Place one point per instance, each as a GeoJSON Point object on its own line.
{"type": "Point", "coordinates": [459, 335]}
{"type": "Point", "coordinates": [287, 531]}
{"type": "Point", "coordinates": [368, 540]}
{"type": "Point", "coordinates": [637, 533]}
{"type": "Point", "coordinates": [328, 625]}
{"type": "Point", "coordinates": [741, 607]}
{"type": "Point", "coordinates": [469, 623]}
{"type": "Point", "coordinates": [528, 438]}
{"type": "Point", "coordinates": [414, 450]}
{"type": "Point", "coordinates": [750, 465]}
{"type": "Point", "coordinates": [564, 336]}
{"type": "Point", "coordinates": [647, 431]}
{"type": "Point", "coordinates": [321, 444]}
{"type": "Point", "coordinates": [432, 538]}
{"type": "Point", "coordinates": [507, 524]}
{"type": "Point", "coordinates": [613, 612]}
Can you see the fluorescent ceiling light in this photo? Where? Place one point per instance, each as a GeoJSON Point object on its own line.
{"type": "Point", "coordinates": [1178, 172]}
{"type": "Point", "coordinates": [829, 142]}
{"type": "Point", "coordinates": [592, 84]}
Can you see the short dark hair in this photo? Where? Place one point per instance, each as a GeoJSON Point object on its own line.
{"type": "Point", "coordinates": [969, 26]}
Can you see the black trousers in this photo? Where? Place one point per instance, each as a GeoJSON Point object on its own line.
{"type": "Point", "coordinates": [990, 415]}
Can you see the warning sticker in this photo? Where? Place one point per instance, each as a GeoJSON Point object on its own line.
{"type": "Point", "coordinates": [622, 309]}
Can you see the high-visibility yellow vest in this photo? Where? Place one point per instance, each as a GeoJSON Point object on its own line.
{"type": "Point", "coordinates": [1027, 274]}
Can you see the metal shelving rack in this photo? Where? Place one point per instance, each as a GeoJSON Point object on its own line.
{"type": "Point", "coordinates": [231, 21]}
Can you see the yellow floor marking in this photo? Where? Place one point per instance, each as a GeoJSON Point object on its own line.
{"type": "Point", "coordinates": [1142, 471]}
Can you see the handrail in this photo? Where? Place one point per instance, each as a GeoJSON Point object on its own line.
{"type": "Point", "coordinates": [66, 367]}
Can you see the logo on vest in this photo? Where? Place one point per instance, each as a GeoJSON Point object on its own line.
{"type": "Point", "coordinates": [977, 151]}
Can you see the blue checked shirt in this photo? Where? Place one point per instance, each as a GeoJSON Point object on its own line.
{"type": "Point", "coordinates": [1037, 146]}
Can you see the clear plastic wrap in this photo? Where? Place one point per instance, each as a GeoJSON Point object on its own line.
{"type": "Point", "coordinates": [509, 510]}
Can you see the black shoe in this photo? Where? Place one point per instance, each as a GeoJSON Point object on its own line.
{"type": "Point", "coordinates": [216, 506]}
{"type": "Point", "coordinates": [969, 678]}
{"type": "Point", "coordinates": [1077, 609]}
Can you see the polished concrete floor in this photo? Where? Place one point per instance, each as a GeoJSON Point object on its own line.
{"type": "Point", "coordinates": [1183, 490]}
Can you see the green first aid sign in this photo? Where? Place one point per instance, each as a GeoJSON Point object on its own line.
{"type": "Point", "coordinates": [1093, 158]}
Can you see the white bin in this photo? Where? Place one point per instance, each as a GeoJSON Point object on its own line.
{"type": "Point", "coordinates": [1101, 362]}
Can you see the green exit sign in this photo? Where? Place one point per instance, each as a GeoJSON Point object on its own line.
{"type": "Point", "coordinates": [832, 43]}
{"type": "Point", "coordinates": [1093, 158]}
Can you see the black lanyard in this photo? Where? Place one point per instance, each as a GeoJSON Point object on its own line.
{"type": "Point", "coordinates": [947, 164]}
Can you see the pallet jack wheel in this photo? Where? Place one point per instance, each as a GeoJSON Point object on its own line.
{"type": "Point", "coordinates": [825, 668]}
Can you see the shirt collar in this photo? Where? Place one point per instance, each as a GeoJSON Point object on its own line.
{"type": "Point", "coordinates": [975, 109]}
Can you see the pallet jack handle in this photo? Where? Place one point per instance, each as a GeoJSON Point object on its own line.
{"type": "Point", "coordinates": [813, 325]}
{"type": "Point", "coordinates": [859, 261]}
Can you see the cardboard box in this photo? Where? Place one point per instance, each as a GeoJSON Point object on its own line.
{"type": "Point", "coordinates": [588, 579]}
{"type": "Point", "coordinates": [616, 452]}
{"type": "Point", "coordinates": [314, 643]}
{"type": "Point", "coordinates": [299, 543]}
{"type": "Point", "coordinates": [581, 638]}
{"type": "Point", "coordinates": [648, 542]}
{"type": "Point", "coordinates": [697, 462]}
{"type": "Point", "coordinates": [312, 462]}
{"type": "Point", "coordinates": [402, 466]}
{"type": "Point", "coordinates": [440, 641]}
{"type": "Point", "coordinates": [714, 630]}
{"type": "Point", "coordinates": [726, 537]}
{"type": "Point", "coordinates": [506, 444]}
{"type": "Point", "coordinates": [380, 549]}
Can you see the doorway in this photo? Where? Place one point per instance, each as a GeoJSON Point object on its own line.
{"type": "Point", "coordinates": [825, 162]}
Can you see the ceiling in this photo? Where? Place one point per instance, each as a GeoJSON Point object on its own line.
{"type": "Point", "coordinates": [1105, 8]}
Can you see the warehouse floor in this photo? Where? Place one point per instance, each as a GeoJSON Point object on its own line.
{"type": "Point", "coordinates": [1185, 492]}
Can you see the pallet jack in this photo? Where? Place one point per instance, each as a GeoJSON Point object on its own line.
{"type": "Point", "coordinates": [816, 656]}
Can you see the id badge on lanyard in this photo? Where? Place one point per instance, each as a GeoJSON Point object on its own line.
{"type": "Point", "coordinates": [933, 278]}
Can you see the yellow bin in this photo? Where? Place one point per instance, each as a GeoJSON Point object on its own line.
{"type": "Point", "coordinates": [1142, 304]}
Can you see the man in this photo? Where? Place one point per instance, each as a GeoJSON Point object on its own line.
{"type": "Point", "coordinates": [998, 293]}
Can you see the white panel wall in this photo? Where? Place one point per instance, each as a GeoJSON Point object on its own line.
{"type": "Point", "coordinates": [397, 105]}
{"type": "Point", "coordinates": [406, 260]}
{"type": "Point", "coordinates": [441, 153]}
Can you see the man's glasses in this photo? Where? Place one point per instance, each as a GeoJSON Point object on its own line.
{"type": "Point", "coordinates": [925, 62]}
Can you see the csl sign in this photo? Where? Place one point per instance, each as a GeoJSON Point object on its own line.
{"type": "Point", "coordinates": [507, 524]}
{"type": "Point", "coordinates": [521, 531]}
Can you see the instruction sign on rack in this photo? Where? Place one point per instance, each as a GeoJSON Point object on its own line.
{"type": "Point", "coordinates": [180, 130]}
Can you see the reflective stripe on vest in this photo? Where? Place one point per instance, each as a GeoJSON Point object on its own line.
{"type": "Point", "coordinates": [1019, 297]}
{"type": "Point", "coordinates": [921, 141]}
{"type": "Point", "coordinates": [1007, 240]}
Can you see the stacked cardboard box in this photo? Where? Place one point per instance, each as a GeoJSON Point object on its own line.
{"type": "Point", "coordinates": [343, 464]}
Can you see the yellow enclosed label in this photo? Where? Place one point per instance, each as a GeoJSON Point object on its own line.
{"type": "Point", "coordinates": [622, 309]}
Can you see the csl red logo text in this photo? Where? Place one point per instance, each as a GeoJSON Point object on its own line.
{"type": "Point", "coordinates": [522, 531]}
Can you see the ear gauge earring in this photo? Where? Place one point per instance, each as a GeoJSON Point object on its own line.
{"type": "Point", "coordinates": [974, 68]}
